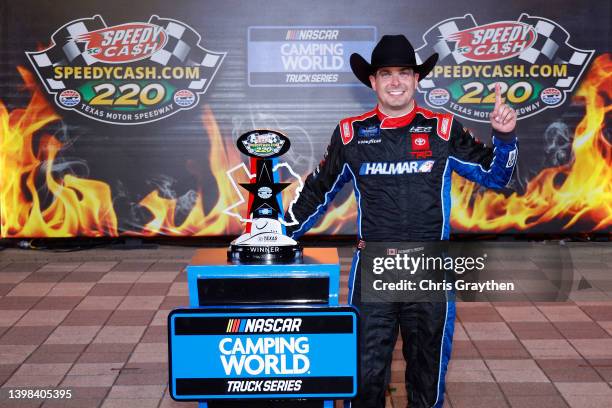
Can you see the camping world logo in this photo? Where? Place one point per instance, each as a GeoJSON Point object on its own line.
{"type": "Point", "coordinates": [531, 58]}
{"type": "Point", "coordinates": [126, 74]}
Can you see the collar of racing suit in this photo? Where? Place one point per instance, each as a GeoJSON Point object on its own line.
{"type": "Point", "coordinates": [392, 122]}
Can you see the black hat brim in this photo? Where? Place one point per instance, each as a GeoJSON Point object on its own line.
{"type": "Point", "coordinates": [362, 69]}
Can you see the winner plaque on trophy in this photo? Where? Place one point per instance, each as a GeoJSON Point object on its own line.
{"type": "Point", "coordinates": [264, 240]}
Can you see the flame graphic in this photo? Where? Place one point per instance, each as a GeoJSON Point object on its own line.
{"type": "Point", "coordinates": [83, 207]}
{"type": "Point", "coordinates": [337, 217]}
{"type": "Point", "coordinates": [198, 223]}
{"type": "Point", "coordinates": [579, 193]}
{"type": "Point", "coordinates": [80, 206]}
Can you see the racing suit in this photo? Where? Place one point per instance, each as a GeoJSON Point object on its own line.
{"type": "Point", "coordinates": [401, 170]}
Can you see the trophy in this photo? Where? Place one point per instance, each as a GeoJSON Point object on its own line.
{"type": "Point", "coordinates": [264, 240]}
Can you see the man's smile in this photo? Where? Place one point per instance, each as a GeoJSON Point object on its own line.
{"type": "Point", "coordinates": [396, 92]}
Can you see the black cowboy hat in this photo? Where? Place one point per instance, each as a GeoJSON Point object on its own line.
{"type": "Point", "coordinates": [391, 51]}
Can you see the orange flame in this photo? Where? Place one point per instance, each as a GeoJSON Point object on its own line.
{"type": "Point", "coordinates": [336, 217]}
{"type": "Point", "coordinates": [83, 206]}
{"type": "Point", "coordinates": [585, 194]}
{"type": "Point", "coordinates": [198, 222]}
{"type": "Point", "coordinates": [80, 206]}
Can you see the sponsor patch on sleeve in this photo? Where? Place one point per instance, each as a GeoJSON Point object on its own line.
{"type": "Point", "coordinates": [511, 158]}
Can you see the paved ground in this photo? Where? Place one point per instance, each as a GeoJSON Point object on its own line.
{"type": "Point", "coordinates": [94, 322]}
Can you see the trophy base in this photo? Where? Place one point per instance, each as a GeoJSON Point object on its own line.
{"type": "Point", "coordinates": [264, 254]}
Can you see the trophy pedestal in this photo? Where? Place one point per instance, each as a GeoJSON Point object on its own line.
{"type": "Point", "coordinates": [264, 254]}
{"type": "Point", "coordinates": [229, 296]}
{"type": "Point", "coordinates": [213, 280]}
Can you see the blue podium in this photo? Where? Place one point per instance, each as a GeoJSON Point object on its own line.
{"type": "Point", "coordinates": [263, 335]}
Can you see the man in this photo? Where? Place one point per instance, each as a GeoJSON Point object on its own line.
{"type": "Point", "coordinates": [400, 157]}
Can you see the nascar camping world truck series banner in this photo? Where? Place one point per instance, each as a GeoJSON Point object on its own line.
{"type": "Point", "coordinates": [262, 353]}
{"type": "Point", "coordinates": [122, 120]}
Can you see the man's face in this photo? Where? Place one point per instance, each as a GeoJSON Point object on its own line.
{"type": "Point", "coordinates": [395, 87]}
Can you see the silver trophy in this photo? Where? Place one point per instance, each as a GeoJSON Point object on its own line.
{"type": "Point", "coordinates": [264, 239]}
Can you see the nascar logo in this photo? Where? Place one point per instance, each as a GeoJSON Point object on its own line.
{"type": "Point", "coordinates": [312, 35]}
{"type": "Point", "coordinates": [235, 325]}
{"type": "Point", "coordinates": [397, 168]}
{"type": "Point", "coordinates": [278, 325]}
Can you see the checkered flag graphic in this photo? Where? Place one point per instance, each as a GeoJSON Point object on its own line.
{"type": "Point", "coordinates": [435, 42]}
{"type": "Point", "coordinates": [183, 48]}
{"type": "Point", "coordinates": [552, 46]}
{"type": "Point", "coordinates": [65, 51]}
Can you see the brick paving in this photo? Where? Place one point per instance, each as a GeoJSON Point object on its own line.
{"type": "Point", "coordinates": [94, 322]}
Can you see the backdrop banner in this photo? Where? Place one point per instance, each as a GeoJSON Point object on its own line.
{"type": "Point", "coordinates": [121, 119]}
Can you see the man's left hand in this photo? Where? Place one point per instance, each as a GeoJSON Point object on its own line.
{"type": "Point", "coordinates": [503, 117]}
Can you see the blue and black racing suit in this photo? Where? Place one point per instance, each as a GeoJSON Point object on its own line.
{"type": "Point", "coordinates": [401, 170]}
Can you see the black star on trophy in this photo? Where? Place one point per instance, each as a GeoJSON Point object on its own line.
{"type": "Point", "coordinates": [264, 239]}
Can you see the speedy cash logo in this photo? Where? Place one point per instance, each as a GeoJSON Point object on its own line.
{"type": "Point", "coordinates": [126, 74]}
{"type": "Point", "coordinates": [531, 58]}
{"type": "Point", "coordinates": [495, 41]}
{"type": "Point", "coordinates": [124, 43]}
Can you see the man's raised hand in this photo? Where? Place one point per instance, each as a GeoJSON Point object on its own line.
{"type": "Point", "coordinates": [503, 117]}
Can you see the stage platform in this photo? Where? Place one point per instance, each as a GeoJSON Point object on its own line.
{"type": "Point", "coordinates": [94, 322]}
